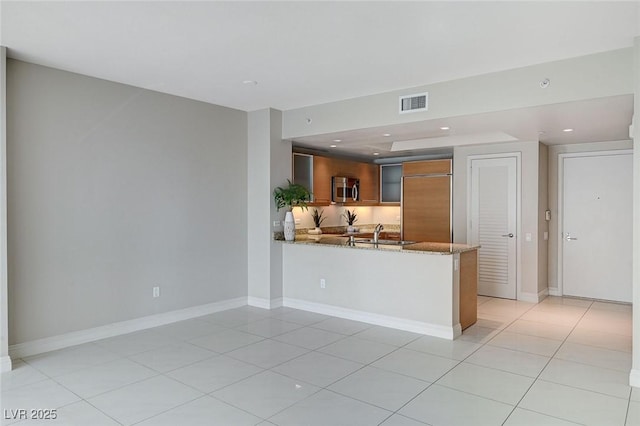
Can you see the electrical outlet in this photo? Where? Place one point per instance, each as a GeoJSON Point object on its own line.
{"type": "Point", "coordinates": [546, 235]}
{"type": "Point", "coordinates": [527, 236]}
{"type": "Point", "coordinates": [456, 264]}
{"type": "Point", "coordinates": [297, 221]}
{"type": "Point", "coordinates": [276, 223]}
{"type": "Point", "coordinates": [156, 292]}
{"type": "Point", "coordinates": [323, 283]}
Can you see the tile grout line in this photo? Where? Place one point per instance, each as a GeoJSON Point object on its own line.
{"type": "Point", "coordinates": [545, 366]}
{"type": "Point", "coordinates": [326, 388]}
{"type": "Point", "coordinates": [453, 367]}
{"type": "Point", "coordinates": [270, 369]}
{"type": "Point", "coordinates": [320, 388]}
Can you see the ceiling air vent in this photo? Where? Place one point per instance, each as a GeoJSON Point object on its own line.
{"type": "Point", "coordinates": [414, 103]}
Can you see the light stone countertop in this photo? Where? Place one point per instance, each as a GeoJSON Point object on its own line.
{"type": "Point", "coordinates": [343, 242]}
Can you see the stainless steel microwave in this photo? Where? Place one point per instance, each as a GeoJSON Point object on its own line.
{"type": "Point", "coordinates": [345, 189]}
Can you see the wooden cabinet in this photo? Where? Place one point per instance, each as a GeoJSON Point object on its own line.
{"type": "Point", "coordinates": [426, 201]}
{"type": "Point", "coordinates": [468, 288]}
{"type": "Point", "coordinates": [342, 167]}
{"type": "Point", "coordinates": [369, 181]}
{"type": "Point", "coordinates": [322, 172]}
{"type": "Point", "coordinates": [428, 167]}
{"type": "Point", "coordinates": [324, 168]}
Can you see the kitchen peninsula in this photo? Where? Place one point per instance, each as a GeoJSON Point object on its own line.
{"type": "Point", "coordinates": [427, 288]}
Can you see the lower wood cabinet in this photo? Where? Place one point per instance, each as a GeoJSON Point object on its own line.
{"type": "Point", "coordinates": [468, 288]}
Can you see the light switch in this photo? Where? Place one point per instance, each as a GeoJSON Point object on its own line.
{"type": "Point", "coordinates": [527, 236]}
{"type": "Point", "coordinates": [276, 223]}
{"type": "Point", "coordinates": [546, 235]}
{"type": "Point", "coordinates": [456, 264]}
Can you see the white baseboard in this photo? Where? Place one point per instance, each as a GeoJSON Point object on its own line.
{"type": "Point", "coordinates": [533, 297]}
{"type": "Point", "coordinates": [554, 291]}
{"type": "Point", "coordinates": [435, 330]}
{"type": "Point", "coordinates": [5, 364]}
{"type": "Point", "coordinates": [52, 343]}
{"type": "Point", "coordinates": [634, 378]}
{"type": "Point", "coordinates": [260, 302]}
{"type": "Point", "coordinates": [276, 303]}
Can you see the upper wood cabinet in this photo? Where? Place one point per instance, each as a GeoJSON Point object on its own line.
{"type": "Point", "coordinates": [324, 168]}
{"type": "Point", "coordinates": [322, 172]}
{"type": "Point", "coordinates": [426, 201]}
{"type": "Point", "coordinates": [428, 167]}
{"type": "Point", "coordinates": [369, 183]}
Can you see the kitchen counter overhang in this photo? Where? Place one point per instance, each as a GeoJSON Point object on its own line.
{"type": "Point", "coordinates": [418, 287]}
{"type": "Point", "coordinates": [418, 247]}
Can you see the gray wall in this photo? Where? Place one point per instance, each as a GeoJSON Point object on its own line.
{"type": "Point", "coordinates": [5, 361]}
{"type": "Point", "coordinates": [265, 255]}
{"type": "Point", "coordinates": [635, 372]}
{"type": "Point", "coordinates": [113, 190]}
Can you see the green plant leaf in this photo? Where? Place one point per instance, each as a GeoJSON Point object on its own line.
{"type": "Point", "coordinates": [351, 217]}
{"type": "Point", "coordinates": [293, 195]}
{"type": "Point", "coordinates": [317, 217]}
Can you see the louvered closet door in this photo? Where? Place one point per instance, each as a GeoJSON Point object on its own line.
{"type": "Point", "coordinates": [493, 224]}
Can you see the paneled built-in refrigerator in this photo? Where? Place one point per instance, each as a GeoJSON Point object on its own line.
{"type": "Point", "coordinates": [426, 201]}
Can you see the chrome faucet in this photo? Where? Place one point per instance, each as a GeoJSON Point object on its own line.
{"type": "Point", "coordinates": [376, 232]}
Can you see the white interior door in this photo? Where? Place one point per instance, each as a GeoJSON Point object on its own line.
{"type": "Point", "coordinates": [597, 226]}
{"type": "Point", "coordinates": [494, 224]}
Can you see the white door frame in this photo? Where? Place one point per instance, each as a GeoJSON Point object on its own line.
{"type": "Point", "coordinates": [561, 158]}
{"type": "Point", "coordinates": [518, 157]}
{"type": "Point", "coordinates": [5, 360]}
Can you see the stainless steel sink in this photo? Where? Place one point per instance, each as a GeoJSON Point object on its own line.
{"type": "Point", "coordinates": [385, 242]}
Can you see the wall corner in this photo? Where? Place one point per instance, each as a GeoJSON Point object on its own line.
{"type": "Point", "coordinates": [5, 361]}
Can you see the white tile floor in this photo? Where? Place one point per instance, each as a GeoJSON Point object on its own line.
{"type": "Point", "coordinates": [560, 362]}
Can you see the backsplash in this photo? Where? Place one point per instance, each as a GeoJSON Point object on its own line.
{"type": "Point", "coordinates": [279, 235]}
{"type": "Point", "coordinates": [368, 216]}
{"type": "Point", "coordinates": [343, 229]}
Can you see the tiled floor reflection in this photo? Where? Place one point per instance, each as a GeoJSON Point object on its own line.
{"type": "Point", "coordinates": [560, 362]}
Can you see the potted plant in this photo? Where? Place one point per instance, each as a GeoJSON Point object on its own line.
{"type": "Point", "coordinates": [317, 220]}
{"type": "Point", "coordinates": [293, 195]}
{"type": "Point", "coordinates": [351, 218]}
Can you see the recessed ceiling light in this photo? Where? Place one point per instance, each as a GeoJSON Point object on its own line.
{"type": "Point", "coordinates": [337, 140]}
{"type": "Point", "coordinates": [376, 153]}
{"type": "Point", "coordinates": [386, 135]}
{"type": "Point", "coordinates": [333, 146]}
{"type": "Point", "coordinates": [567, 130]}
{"type": "Point", "coordinates": [444, 128]}
{"type": "Point", "coordinates": [250, 82]}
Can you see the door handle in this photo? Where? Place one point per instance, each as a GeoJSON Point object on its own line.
{"type": "Point", "coordinates": [510, 235]}
{"type": "Point", "coordinates": [570, 238]}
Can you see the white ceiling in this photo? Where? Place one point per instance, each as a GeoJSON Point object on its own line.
{"type": "Point", "coordinates": [307, 53]}
{"type": "Point", "coordinates": [304, 53]}
{"type": "Point", "coordinates": [596, 120]}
